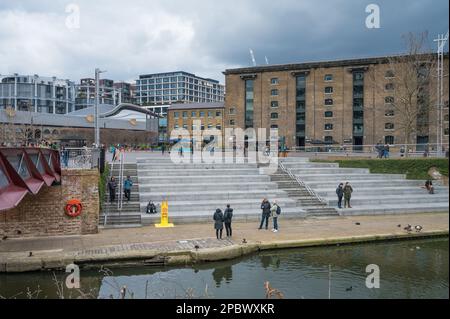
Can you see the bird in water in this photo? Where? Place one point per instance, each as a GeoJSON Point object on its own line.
{"type": "Point", "coordinates": [418, 228]}
{"type": "Point", "coordinates": [399, 225]}
{"type": "Point", "coordinates": [244, 241]}
{"type": "Point", "coordinates": [349, 289]}
{"type": "Point", "coordinates": [30, 254]}
{"type": "Point", "coordinates": [358, 224]}
{"type": "Point", "coordinates": [197, 247]}
{"type": "Point", "coordinates": [408, 228]}
{"type": "Point", "coordinates": [4, 237]}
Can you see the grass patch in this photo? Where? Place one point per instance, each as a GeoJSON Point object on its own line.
{"type": "Point", "coordinates": [103, 181]}
{"type": "Point", "coordinates": [416, 169]}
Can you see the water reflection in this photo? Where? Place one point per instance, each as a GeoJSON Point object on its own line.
{"type": "Point", "coordinates": [411, 269]}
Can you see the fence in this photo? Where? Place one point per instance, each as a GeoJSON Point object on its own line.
{"type": "Point", "coordinates": [80, 158]}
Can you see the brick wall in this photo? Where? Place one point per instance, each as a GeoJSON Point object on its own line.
{"type": "Point", "coordinates": [43, 214]}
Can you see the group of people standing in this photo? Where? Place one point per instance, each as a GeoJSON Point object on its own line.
{"type": "Point", "coordinates": [383, 151]}
{"type": "Point", "coordinates": [270, 211]}
{"type": "Point", "coordinates": [223, 218]}
{"type": "Point", "coordinates": [344, 192]}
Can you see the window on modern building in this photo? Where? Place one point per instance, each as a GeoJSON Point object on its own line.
{"type": "Point", "coordinates": [274, 81]}
{"type": "Point", "coordinates": [389, 140]}
{"type": "Point", "coordinates": [328, 77]}
{"type": "Point", "coordinates": [328, 101]}
{"type": "Point", "coordinates": [185, 114]}
{"type": "Point", "coordinates": [328, 114]}
{"type": "Point", "coordinates": [328, 139]}
{"type": "Point", "coordinates": [176, 115]}
{"type": "Point", "coordinates": [210, 114]}
{"type": "Point", "coordinates": [446, 131]}
{"type": "Point", "coordinates": [389, 113]}
{"type": "Point", "coordinates": [274, 126]}
{"type": "Point", "coordinates": [389, 126]}
{"type": "Point", "coordinates": [210, 126]}
{"type": "Point", "coordinates": [176, 126]}
{"type": "Point", "coordinates": [274, 116]}
{"type": "Point", "coordinates": [389, 100]}
{"type": "Point", "coordinates": [193, 114]}
{"type": "Point", "coordinates": [232, 122]}
{"type": "Point", "coordinates": [446, 104]}
{"type": "Point", "coordinates": [328, 90]}
{"type": "Point", "coordinates": [328, 127]}
{"type": "Point", "coordinates": [274, 92]}
{"type": "Point", "coordinates": [185, 126]}
{"type": "Point", "coordinates": [202, 127]}
{"type": "Point", "coordinates": [218, 114]}
{"type": "Point", "coordinates": [219, 127]}
{"type": "Point", "coordinates": [389, 87]}
{"type": "Point", "coordinates": [274, 104]}
{"type": "Point", "coordinates": [389, 74]}
{"type": "Point", "coordinates": [446, 117]}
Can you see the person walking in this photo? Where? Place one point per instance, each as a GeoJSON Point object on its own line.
{"type": "Point", "coordinates": [265, 206]}
{"type": "Point", "coordinates": [163, 148]}
{"type": "Point", "coordinates": [227, 217]}
{"type": "Point", "coordinates": [340, 194]}
{"type": "Point", "coordinates": [218, 223]}
{"type": "Point", "coordinates": [386, 151]}
{"type": "Point", "coordinates": [348, 190]}
{"type": "Point", "coordinates": [127, 185]}
{"type": "Point", "coordinates": [275, 211]}
{"type": "Point", "coordinates": [112, 185]}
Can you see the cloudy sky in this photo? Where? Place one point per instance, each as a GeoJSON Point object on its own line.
{"type": "Point", "coordinates": [205, 37]}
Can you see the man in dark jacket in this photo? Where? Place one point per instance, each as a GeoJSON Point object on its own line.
{"type": "Point", "coordinates": [112, 185]}
{"type": "Point", "coordinates": [218, 223]}
{"type": "Point", "coordinates": [265, 206]}
{"type": "Point", "coordinates": [340, 194]}
{"type": "Point", "coordinates": [227, 217]}
{"type": "Point", "coordinates": [348, 190]}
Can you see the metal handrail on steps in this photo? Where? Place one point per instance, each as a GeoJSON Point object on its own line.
{"type": "Point", "coordinates": [310, 191]}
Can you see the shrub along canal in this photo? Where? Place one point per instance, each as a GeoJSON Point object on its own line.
{"type": "Point", "coordinates": [408, 269]}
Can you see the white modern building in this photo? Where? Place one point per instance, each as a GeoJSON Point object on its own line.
{"type": "Point", "coordinates": [34, 93]}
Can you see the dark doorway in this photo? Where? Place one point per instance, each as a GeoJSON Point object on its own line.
{"type": "Point", "coordinates": [358, 142]}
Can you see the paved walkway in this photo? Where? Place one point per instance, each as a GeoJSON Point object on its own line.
{"type": "Point", "coordinates": [202, 235]}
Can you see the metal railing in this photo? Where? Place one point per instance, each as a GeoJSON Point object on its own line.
{"type": "Point", "coordinates": [310, 191]}
{"type": "Point", "coordinates": [80, 158]}
{"type": "Point", "coordinates": [121, 190]}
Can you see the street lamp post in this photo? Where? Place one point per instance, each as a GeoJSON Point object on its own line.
{"type": "Point", "coordinates": [97, 102]}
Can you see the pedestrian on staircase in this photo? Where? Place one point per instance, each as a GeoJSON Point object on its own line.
{"type": "Point", "coordinates": [265, 206]}
{"type": "Point", "coordinates": [127, 185]}
{"type": "Point", "coordinates": [340, 194]}
{"type": "Point", "coordinates": [348, 190]}
{"type": "Point", "coordinates": [227, 217]}
{"type": "Point", "coordinates": [112, 185]}
{"type": "Point", "coordinates": [218, 223]}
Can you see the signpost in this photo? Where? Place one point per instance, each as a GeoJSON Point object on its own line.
{"type": "Point", "coordinates": [164, 216]}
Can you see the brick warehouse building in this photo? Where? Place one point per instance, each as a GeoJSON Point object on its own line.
{"type": "Point", "coordinates": [337, 102]}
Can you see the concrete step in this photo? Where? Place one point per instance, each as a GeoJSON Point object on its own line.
{"type": "Point", "coordinates": [294, 159]}
{"type": "Point", "coordinates": [305, 165]}
{"type": "Point", "coordinates": [212, 205]}
{"type": "Point", "coordinates": [399, 190]}
{"type": "Point", "coordinates": [212, 186]}
{"type": "Point", "coordinates": [393, 199]}
{"type": "Point", "coordinates": [162, 166]}
{"type": "Point", "coordinates": [329, 170]}
{"type": "Point", "coordinates": [202, 216]}
{"type": "Point", "coordinates": [198, 172]}
{"type": "Point", "coordinates": [120, 220]}
{"type": "Point", "coordinates": [317, 185]}
{"type": "Point", "coordinates": [395, 209]}
{"type": "Point", "coordinates": [349, 177]}
{"type": "Point", "coordinates": [211, 195]}
{"type": "Point", "coordinates": [143, 180]}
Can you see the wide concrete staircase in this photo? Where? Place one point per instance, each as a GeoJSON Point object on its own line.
{"type": "Point", "coordinates": [373, 193]}
{"type": "Point", "coordinates": [313, 206]}
{"type": "Point", "coordinates": [195, 191]}
{"type": "Point", "coordinates": [129, 215]}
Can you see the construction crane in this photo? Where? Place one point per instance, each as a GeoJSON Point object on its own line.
{"type": "Point", "coordinates": [252, 55]}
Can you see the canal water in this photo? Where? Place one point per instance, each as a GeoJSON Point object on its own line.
{"type": "Point", "coordinates": [408, 269]}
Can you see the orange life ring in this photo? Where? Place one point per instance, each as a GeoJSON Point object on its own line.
{"type": "Point", "coordinates": [74, 208]}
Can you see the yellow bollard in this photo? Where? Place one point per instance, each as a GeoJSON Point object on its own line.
{"type": "Point", "coordinates": [164, 216]}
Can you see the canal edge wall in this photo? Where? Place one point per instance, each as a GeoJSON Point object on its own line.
{"type": "Point", "coordinates": [54, 261]}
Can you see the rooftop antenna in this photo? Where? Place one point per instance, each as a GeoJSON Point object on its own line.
{"type": "Point", "coordinates": [253, 57]}
{"type": "Point", "coordinates": [267, 60]}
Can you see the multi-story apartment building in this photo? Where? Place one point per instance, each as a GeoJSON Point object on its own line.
{"type": "Point", "coordinates": [209, 115]}
{"type": "Point", "coordinates": [177, 87]}
{"type": "Point", "coordinates": [34, 93]}
{"type": "Point", "coordinates": [109, 93]}
{"type": "Point", "coordinates": [348, 102]}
